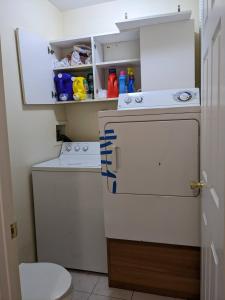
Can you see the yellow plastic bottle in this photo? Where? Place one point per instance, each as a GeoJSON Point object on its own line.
{"type": "Point", "coordinates": [79, 89]}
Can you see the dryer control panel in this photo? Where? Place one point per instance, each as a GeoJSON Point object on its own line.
{"type": "Point", "coordinates": [159, 99]}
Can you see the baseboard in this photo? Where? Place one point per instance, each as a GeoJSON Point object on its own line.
{"type": "Point", "coordinates": [168, 270]}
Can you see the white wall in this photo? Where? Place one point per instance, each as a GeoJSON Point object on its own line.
{"type": "Point", "coordinates": [31, 129]}
{"type": "Point", "coordinates": [101, 18]}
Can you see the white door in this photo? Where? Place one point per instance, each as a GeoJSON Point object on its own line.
{"type": "Point", "coordinates": [144, 153]}
{"type": "Point", "coordinates": [36, 68]}
{"type": "Point", "coordinates": [213, 149]}
{"type": "Point", "coordinates": [9, 275]}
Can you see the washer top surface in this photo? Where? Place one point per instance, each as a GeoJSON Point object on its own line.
{"type": "Point", "coordinates": [173, 98]}
{"type": "Point", "coordinates": [74, 156]}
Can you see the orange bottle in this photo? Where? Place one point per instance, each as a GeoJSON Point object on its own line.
{"type": "Point", "coordinates": [113, 90]}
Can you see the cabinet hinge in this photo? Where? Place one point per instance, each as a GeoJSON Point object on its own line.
{"type": "Point", "coordinates": [14, 231]}
{"type": "Point", "coordinates": [54, 94]}
{"type": "Point", "coordinates": [50, 51]}
{"type": "Point", "coordinates": [95, 46]}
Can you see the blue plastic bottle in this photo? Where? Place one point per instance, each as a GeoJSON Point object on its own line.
{"type": "Point", "coordinates": [131, 80]}
{"type": "Point", "coordinates": [122, 82]}
{"type": "Point", "coordinates": [64, 89]}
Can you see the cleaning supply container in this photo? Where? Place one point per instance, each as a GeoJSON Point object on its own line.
{"type": "Point", "coordinates": [131, 81]}
{"type": "Point", "coordinates": [90, 82]}
{"type": "Point", "coordinates": [122, 82]}
{"type": "Point", "coordinates": [113, 91]}
{"type": "Point", "coordinates": [63, 84]}
{"type": "Point", "coordinates": [80, 88]}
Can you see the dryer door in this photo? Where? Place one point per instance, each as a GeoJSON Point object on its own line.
{"type": "Point", "coordinates": [152, 157]}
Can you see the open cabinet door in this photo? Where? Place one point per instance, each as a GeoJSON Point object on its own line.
{"type": "Point", "coordinates": [36, 68]}
{"type": "Point", "coordinates": [9, 271]}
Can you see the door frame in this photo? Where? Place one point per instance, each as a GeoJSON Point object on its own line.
{"type": "Point", "coordinates": [9, 274]}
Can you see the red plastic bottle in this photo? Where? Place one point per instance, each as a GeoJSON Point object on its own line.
{"type": "Point", "coordinates": [113, 89]}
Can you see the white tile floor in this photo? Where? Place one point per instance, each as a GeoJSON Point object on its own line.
{"type": "Point", "coordinates": [89, 286]}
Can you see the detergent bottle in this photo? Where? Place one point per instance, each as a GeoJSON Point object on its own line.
{"type": "Point", "coordinates": [64, 88]}
{"type": "Point", "coordinates": [113, 91]}
{"type": "Point", "coordinates": [123, 82]}
{"type": "Point", "coordinates": [131, 80]}
{"type": "Point", "coordinates": [79, 88]}
{"type": "Point", "coordinates": [90, 85]}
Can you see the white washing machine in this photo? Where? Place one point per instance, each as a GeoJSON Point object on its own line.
{"type": "Point", "coordinates": [69, 210]}
{"type": "Point", "coordinates": [150, 155]}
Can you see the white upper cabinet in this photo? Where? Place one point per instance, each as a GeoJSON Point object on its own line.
{"type": "Point", "coordinates": [162, 56]}
{"type": "Point", "coordinates": [168, 56]}
{"type": "Point", "coordinates": [120, 51]}
{"type": "Point", "coordinates": [36, 68]}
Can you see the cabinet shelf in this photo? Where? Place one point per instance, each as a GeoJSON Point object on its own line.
{"type": "Point", "coordinates": [74, 68]}
{"type": "Point", "coordinates": [88, 101]}
{"type": "Point", "coordinates": [124, 62]}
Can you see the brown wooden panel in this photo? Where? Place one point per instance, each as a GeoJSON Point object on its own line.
{"type": "Point", "coordinates": [162, 269]}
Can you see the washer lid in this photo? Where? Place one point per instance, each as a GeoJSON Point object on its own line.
{"type": "Point", "coordinates": [74, 156]}
{"type": "Point", "coordinates": [70, 163]}
{"type": "Point", "coordinates": [44, 281]}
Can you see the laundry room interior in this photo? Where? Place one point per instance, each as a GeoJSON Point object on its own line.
{"type": "Point", "coordinates": [108, 164]}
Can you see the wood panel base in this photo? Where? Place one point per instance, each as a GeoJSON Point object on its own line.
{"type": "Point", "coordinates": [162, 269]}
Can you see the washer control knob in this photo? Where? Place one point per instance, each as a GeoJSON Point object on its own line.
{"type": "Point", "coordinates": [185, 96]}
{"type": "Point", "coordinates": [139, 99]}
{"type": "Point", "coordinates": [68, 147]}
{"type": "Point", "coordinates": [128, 100]}
{"type": "Point", "coordinates": [85, 148]}
{"type": "Point", "coordinates": [77, 148]}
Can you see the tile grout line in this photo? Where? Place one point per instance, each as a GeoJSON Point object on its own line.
{"type": "Point", "coordinates": [116, 298]}
{"type": "Point", "coordinates": [92, 292]}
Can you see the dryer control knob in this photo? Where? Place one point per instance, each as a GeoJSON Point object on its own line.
{"type": "Point", "coordinates": [85, 148]}
{"type": "Point", "coordinates": [77, 148]}
{"type": "Point", "coordinates": [139, 99]}
{"type": "Point", "coordinates": [128, 100]}
{"type": "Point", "coordinates": [185, 96]}
{"type": "Point", "coordinates": [68, 147]}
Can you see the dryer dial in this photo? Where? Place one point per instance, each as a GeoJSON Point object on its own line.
{"type": "Point", "coordinates": [77, 148]}
{"type": "Point", "coordinates": [128, 100]}
{"type": "Point", "coordinates": [139, 99]}
{"type": "Point", "coordinates": [68, 147]}
{"type": "Point", "coordinates": [184, 96]}
{"type": "Point", "coordinates": [85, 148]}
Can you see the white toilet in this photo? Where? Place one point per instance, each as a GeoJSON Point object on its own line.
{"type": "Point", "coordinates": [45, 281]}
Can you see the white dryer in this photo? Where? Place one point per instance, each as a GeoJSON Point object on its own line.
{"type": "Point", "coordinates": [69, 210]}
{"type": "Point", "coordinates": [150, 155]}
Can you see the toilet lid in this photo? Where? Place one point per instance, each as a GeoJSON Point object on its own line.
{"type": "Point", "coordinates": [43, 281]}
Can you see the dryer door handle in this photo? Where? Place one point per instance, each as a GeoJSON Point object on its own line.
{"type": "Point", "coordinates": [114, 158]}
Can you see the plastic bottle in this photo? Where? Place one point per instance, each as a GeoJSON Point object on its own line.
{"type": "Point", "coordinates": [131, 81]}
{"type": "Point", "coordinates": [80, 87]}
{"type": "Point", "coordinates": [113, 91]}
{"type": "Point", "coordinates": [64, 87]}
{"type": "Point", "coordinates": [90, 85]}
{"type": "Point", "coordinates": [123, 82]}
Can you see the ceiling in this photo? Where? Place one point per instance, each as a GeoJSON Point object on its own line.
{"type": "Point", "coordinates": [72, 4]}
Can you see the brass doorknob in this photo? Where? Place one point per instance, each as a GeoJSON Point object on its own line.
{"type": "Point", "coordinates": [197, 185]}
